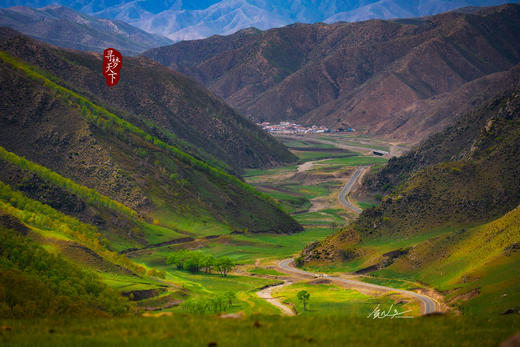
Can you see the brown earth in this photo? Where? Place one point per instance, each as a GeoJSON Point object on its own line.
{"type": "Point", "coordinates": [376, 76]}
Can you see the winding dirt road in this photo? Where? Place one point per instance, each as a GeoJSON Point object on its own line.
{"type": "Point", "coordinates": [429, 305]}
{"type": "Point", "coordinates": [266, 294]}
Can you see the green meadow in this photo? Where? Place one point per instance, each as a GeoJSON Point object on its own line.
{"type": "Point", "coordinates": [261, 330]}
{"type": "Point", "coordinates": [329, 299]}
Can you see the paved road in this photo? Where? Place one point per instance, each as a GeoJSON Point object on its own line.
{"type": "Point", "coordinates": [429, 304]}
{"type": "Point", "coordinates": [343, 196]}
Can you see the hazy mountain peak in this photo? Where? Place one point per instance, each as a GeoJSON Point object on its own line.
{"type": "Point", "coordinates": [68, 28]}
{"type": "Point", "coordinates": [184, 20]}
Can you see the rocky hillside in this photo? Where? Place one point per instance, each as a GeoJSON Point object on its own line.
{"type": "Point", "coordinates": [376, 76]}
{"type": "Point", "coordinates": [67, 28]}
{"type": "Point", "coordinates": [173, 107]}
{"type": "Point", "coordinates": [464, 175]}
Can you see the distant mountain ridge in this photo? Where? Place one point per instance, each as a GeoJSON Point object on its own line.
{"type": "Point", "coordinates": [67, 28]}
{"type": "Point", "coordinates": [402, 78]}
{"type": "Point", "coordinates": [187, 20]}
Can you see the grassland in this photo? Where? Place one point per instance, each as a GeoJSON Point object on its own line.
{"type": "Point", "coordinates": [262, 330]}
{"type": "Point", "coordinates": [242, 248]}
{"type": "Point", "coordinates": [336, 316]}
{"type": "Point", "coordinates": [295, 192]}
{"type": "Point", "coordinates": [264, 271]}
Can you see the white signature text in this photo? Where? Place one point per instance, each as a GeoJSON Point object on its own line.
{"type": "Point", "coordinates": [391, 313]}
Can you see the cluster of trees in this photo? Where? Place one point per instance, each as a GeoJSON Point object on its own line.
{"type": "Point", "coordinates": [87, 194]}
{"type": "Point", "coordinates": [35, 283]}
{"type": "Point", "coordinates": [216, 304]}
{"type": "Point", "coordinates": [197, 262]}
{"type": "Point", "coordinates": [43, 216]}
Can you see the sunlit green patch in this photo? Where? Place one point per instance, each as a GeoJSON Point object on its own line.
{"type": "Point", "coordinates": [328, 299]}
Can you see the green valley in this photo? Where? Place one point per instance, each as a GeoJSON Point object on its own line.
{"type": "Point", "coordinates": [152, 213]}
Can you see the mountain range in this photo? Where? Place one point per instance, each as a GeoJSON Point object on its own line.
{"type": "Point", "coordinates": [67, 28]}
{"type": "Point", "coordinates": [186, 20]}
{"type": "Point", "coordinates": [400, 78]}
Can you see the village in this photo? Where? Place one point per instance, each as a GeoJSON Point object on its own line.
{"type": "Point", "coordinates": [293, 128]}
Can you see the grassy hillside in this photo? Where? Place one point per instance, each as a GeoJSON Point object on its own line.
{"type": "Point", "coordinates": [102, 151]}
{"type": "Point", "coordinates": [467, 174]}
{"type": "Point", "coordinates": [476, 266]}
{"type": "Point", "coordinates": [36, 284]}
{"type": "Point", "coordinates": [450, 216]}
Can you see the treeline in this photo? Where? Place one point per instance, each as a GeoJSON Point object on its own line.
{"type": "Point", "coordinates": [35, 283]}
{"type": "Point", "coordinates": [216, 304]}
{"type": "Point", "coordinates": [109, 122]}
{"type": "Point", "coordinates": [44, 217]}
{"type": "Point", "coordinates": [197, 262]}
{"type": "Point", "coordinates": [87, 194]}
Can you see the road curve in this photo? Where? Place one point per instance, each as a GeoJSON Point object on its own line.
{"type": "Point", "coordinates": [266, 295]}
{"type": "Point", "coordinates": [429, 304]}
{"type": "Point", "coordinates": [343, 199]}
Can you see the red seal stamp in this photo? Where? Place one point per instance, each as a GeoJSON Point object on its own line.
{"type": "Point", "coordinates": [112, 62]}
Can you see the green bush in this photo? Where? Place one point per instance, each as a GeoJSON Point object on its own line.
{"type": "Point", "coordinates": [44, 217]}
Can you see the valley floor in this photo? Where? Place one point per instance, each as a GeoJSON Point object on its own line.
{"type": "Point", "coordinates": [316, 192]}
{"type": "Point", "coordinates": [339, 313]}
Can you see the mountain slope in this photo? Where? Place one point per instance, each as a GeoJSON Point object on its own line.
{"type": "Point", "coordinates": [37, 284]}
{"type": "Point", "coordinates": [188, 20]}
{"type": "Point", "coordinates": [168, 104]}
{"type": "Point", "coordinates": [370, 76]}
{"type": "Point", "coordinates": [175, 194]}
{"type": "Point", "coordinates": [67, 28]}
{"type": "Point", "coordinates": [464, 175]}
{"type": "Point", "coordinates": [450, 215]}
{"type": "Point", "coordinates": [474, 178]}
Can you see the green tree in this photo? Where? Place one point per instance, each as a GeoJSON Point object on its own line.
{"type": "Point", "coordinates": [178, 259]}
{"type": "Point", "coordinates": [192, 262]}
{"type": "Point", "coordinates": [207, 262]}
{"type": "Point", "coordinates": [224, 265]}
{"type": "Point", "coordinates": [304, 297]}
